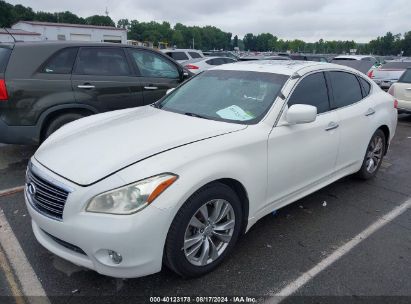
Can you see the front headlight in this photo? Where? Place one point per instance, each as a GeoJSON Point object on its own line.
{"type": "Point", "coordinates": [131, 198]}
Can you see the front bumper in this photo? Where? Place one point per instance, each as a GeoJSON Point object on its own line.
{"type": "Point", "coordinates": [139, 237]}
{"type": "Point", "coordinates": [20, 135]}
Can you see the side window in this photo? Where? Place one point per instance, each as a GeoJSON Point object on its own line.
{"type": "Point", "coordinates": [102, 61]}
{"type": "Point", "coordinates": [346, 89]}
{"type": "Point", "coordinates": [366, 87]}
{"type": "Point", "coordinates": [194, 55]}
{"type": "Point", "coordinates": [153, 65]}
{"type": "Point", "coordinates": [61, 63]}
{"type": "Point", "coordinates": [228, 60]}
{"type": "Point", "coordinates": [178, 55]}
{"type": "Point", "coordinates": [312, 90]}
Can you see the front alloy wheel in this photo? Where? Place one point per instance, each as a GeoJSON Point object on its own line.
{"type": "Point", "coordinates": [204, 230]}
{"type": "Point", "coordinates": [209, 232]}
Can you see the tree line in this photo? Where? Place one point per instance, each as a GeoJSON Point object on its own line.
{"type": "Point", "coordinates": [210, 37]}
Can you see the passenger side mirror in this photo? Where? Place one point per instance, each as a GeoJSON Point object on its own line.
{"type": "Point", "coordinates": [170, 90]}
{"type": "Point", "coordinates": [301, 113]}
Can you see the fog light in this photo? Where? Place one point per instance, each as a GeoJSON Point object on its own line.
{"type": "Point", "coordinates": [115, 257]}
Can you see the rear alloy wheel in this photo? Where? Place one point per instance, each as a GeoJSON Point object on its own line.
{"type": "Point", "coordinates": [60, 121]}
{"type": "Point", "coordinates": [374, 156]}
{"type": "Point", "coordinates": [204, 231]}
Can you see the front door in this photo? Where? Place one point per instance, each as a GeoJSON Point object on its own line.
{"type": "Point", "coordinates": [303, 155]}
{"type": "Point", "coordinates": [157, 73]}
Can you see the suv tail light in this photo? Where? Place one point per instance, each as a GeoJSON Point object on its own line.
{"type": "Point", "coordinates": [391, 90]}
{"type": "Point", "coordinates": [191, 67]}
{"type": "Point", "coordinates": [3, 90]}
{"type": "Point", "coordinates": [395, 104]}
{"type": "Point", "coordinates": [371, 74]}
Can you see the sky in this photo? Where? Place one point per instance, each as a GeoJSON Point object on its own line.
{"type": "Point", "coordinates": [308, 20]}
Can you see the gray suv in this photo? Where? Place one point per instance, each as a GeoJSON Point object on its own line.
{"type": "Point", "coordinates": [44, 85]}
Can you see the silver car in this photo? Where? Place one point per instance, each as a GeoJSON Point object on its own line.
{"type": "Point", "coordinates": [198, 65]}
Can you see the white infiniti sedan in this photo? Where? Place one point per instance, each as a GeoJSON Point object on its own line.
{"type": "Point", "coordinates": [178, 182]}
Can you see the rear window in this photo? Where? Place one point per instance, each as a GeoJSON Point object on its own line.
{"type": "Point", "coordinates": [195, 55]}
{"type": "Point", "coordinates": [61, 63]}
{"type": "Point", "coordinates": [396, 65]}
{"type": "Point", "coordinates": [4, 58]}
{"type": "Point", "coordinates": [366, 87]}
{"type": "Point", "coordinates": [346, 89]}
{"type": "Point", "coordinates": [406, 77]}
{"type": "Point", "coordinates": [108, 61]}
{"type": "Point", "coordinates": [178, 55]}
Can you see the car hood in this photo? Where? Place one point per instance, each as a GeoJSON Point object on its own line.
{"type": "Point", "coordinates": [92, 148]}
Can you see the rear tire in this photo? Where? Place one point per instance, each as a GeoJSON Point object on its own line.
{"type": "Point", "coordinates": [58, 122]}
{"type": "Point", "coordinates": [373, 156]}
{"type": "Point", "coordinates": [204, 231]}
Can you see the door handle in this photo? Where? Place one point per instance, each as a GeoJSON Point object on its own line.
{"type": "Point", "coordinates": [370, 112]}
{"type": "Point", "coordinates": [150, 88]}
{"type": "Point", "coordinates": [408, 89]}
{"type": "Point", "coordinates": [331, 126]}
{"type": "Point", "coordinates": [86, 86]}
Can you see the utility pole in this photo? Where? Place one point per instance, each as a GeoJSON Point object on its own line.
{"type": "Point", "coordinates": [193, 43]}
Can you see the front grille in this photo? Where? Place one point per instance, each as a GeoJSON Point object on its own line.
{"type": "Point", "coordinates": [65, 244]}
{"type": "Point", "coordinates": [46, 197]}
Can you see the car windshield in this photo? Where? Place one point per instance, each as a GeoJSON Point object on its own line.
{"type": "Point", "coordinates": [232, 96]}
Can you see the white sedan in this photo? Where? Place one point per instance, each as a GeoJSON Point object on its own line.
{"type": "Point", "coordinates": [178, 182]}
{"type": "Point", "coordinates": [199, 65]}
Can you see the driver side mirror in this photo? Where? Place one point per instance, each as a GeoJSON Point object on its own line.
{"type": "Point", "coordinates": [301, 113]}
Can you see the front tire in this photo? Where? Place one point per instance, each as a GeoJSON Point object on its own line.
{"type": "Point", "coordinates": [204, 231]}
{"type": "Point", "coordinates": [373, 156]}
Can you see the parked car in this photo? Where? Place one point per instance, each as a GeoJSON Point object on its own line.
{"type": "Point", "coordinates": [308, 57]}
{"type": "Point", "coordinates": [371, 59]}
{"type": "Point", "coordinates": [221, 54]}
{"type": "Point", "coordinates": [401, 90]}
{"type": "Point", "coordinates": [199, 65]}
{"type": "Point", "coordinates": [389, 73]}
{"type": "Point", "coordinates": [45, 85]}
{"type": "Point", "coordinates": [179, 181]}
{"type": "Point", "coordinates": [182, 55]}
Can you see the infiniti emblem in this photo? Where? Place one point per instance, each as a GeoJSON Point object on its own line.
{"type": "Point", "coordinates": [31, 188]}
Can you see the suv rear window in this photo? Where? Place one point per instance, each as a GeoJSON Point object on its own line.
{"type": "Point", "coordinates": [195, 55]}
{"type": "Point", "coordinates": [406, 77]}
{"type": "Point", "coordinates": [4, 58]}
{"type": "Point", "coordinates": [61, 63]}
{"type": "Point", "coordinates": [178, 55]}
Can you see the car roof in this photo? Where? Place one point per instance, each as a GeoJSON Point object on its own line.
{"type": "Point", "coordinates": [284, 67]}
{"type": "Point", "coordinates": [73, 44]}
{"type": "Point", "coordinates": [357, 57]}
{"type": "Point", "coordinates": [181, 50]}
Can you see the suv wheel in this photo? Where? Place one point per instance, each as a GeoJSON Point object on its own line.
{"type": "Point", "coordinates": [204, 231]}
{"type": "Point", "coordinates": [60, 121]}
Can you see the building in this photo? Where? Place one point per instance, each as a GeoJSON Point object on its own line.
{"type": "Point", "coordinates": [75, 32]}
{"type": "Point", "coordinates": [6, 35]}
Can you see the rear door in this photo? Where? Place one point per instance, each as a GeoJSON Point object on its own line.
{"type": "Point", "coordinates": [402, 90]}
{"type": "Point", "coordinates": [352, 102]}
{"type": "Point", "coordinates": [156, 73]}
{"type": "Point", "coordinates": [103, 78]}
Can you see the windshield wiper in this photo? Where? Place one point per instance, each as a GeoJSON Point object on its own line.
{"type": "Point", "coordinates": [195, 115]}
